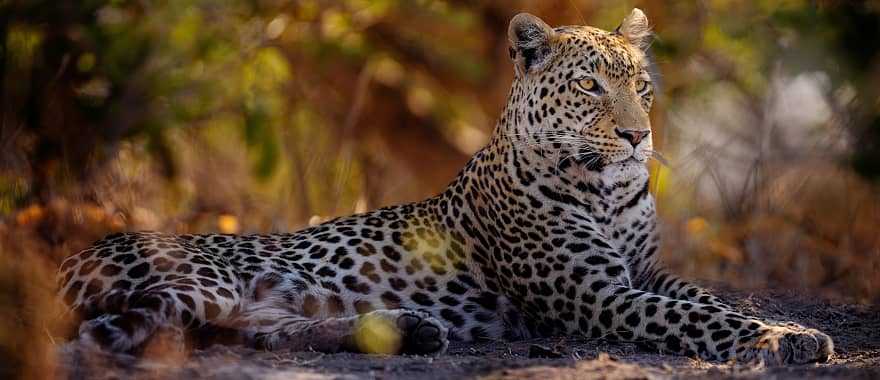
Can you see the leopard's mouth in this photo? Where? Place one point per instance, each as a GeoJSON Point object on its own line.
{"type": "Point", "coordinates": [633, 160]}
{"type": "Point", "coordinates": [596, 162]}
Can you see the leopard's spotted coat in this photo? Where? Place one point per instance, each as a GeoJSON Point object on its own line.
{"type": "Point", "coordinates": [550, 229]}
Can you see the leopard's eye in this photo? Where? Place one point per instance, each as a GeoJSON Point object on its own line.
{"type": "Point", "coordinates": [641, 85]}
{"type": "Point", "coordinates": [589, 85]}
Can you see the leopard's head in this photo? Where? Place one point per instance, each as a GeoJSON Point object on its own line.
{"type": "Point", "coordinates": [581, 95]}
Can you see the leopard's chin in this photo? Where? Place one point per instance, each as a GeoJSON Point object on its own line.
{"type": "Point", "coordinates": [630, 168]}
{"type": "Point", "coordinates": [597, 163]}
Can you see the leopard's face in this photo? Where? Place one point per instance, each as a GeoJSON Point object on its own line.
{"type": "Point", "coordinates": [582, 96]}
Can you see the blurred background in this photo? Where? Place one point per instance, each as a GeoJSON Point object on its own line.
{"type": "Point", "coordinates": [267, 115]}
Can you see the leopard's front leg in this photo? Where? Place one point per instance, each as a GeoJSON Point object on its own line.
{"type": "Point", "coordinates": [650, 276]}
{"type": "Point", "coordinates": [660, 281]}
{"type": "Point", "coordinates": [607, 306]}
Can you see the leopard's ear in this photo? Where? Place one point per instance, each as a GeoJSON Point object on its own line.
{"type": "Point", "coordinates": [531, 42]}
{"type": "Point", "coordinates": [635, 29]}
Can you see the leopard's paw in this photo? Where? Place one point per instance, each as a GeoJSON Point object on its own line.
{"type": "Point", "coordinates": [787, 343]}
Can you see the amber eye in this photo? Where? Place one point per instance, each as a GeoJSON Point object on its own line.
{"type": "Point", "coordinates": [589, 85]}
{"type": "Point", "coordinates": [641, 85]}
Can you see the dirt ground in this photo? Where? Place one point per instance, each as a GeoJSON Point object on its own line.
{"type": "Point", "coordinates": [854, 328]}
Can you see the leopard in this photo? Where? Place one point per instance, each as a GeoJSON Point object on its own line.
{"type": "Point", "coordinates": [548, 230]}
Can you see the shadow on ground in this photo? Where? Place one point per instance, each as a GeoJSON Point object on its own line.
{"type": "Point", "coordinates": [855, 329]}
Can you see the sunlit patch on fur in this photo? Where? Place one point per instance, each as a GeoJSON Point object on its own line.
{"type": "Point", "coordinates": [377, 335]}
{"type": "Point", "coordinates": [431, 246]}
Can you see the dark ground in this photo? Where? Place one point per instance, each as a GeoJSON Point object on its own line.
{"type": "Point", "coordinates": [854, 328]}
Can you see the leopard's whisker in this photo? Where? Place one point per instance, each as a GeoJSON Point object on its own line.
{"type": "Point", "coordinates": [659, 158]}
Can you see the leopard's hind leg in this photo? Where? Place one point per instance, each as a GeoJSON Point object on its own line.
{"type": "Point", "coordinates": [124, 320]}
{"type": "Point", "coordinates": [293, 314]}
{"type": "Point", "coordinates": [129, 286]}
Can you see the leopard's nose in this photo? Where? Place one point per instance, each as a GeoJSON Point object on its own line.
{"type": "Point", "coordinates": [633, 136]}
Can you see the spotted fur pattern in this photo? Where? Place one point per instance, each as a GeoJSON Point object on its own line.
{"type": "Point", "coordinates": [550, 229]}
